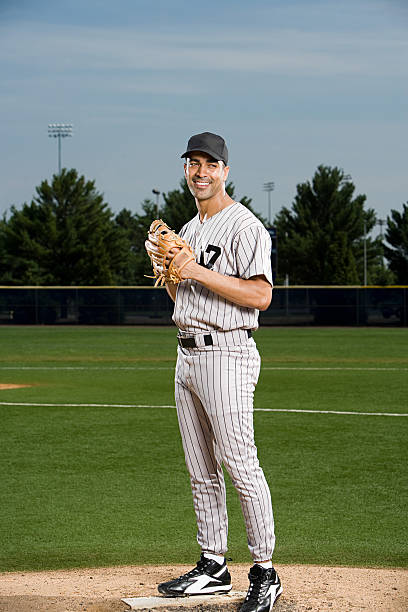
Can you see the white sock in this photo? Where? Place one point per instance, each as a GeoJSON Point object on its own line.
{"type": "Point", "coordinates": [218, 558]}
{"type": "Point", "coordinates": [264, 564]}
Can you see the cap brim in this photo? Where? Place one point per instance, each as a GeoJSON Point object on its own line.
{"type": "Point", "coordinates": [204, 150]}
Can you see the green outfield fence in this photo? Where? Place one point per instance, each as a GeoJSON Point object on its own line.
{"type": "Point", "coordinates": [300, 305]}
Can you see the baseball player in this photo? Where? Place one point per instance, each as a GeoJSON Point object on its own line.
{"type": "Point", "coordinates": [216, 310]}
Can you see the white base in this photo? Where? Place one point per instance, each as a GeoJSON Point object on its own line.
{"type": "Point", "coordinates": [153, 603]}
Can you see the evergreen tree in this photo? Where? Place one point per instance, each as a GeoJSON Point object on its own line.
{"type": "Point", "coordinates": [321, 239]}
{"type": "Point", "coordinates": [65, 236]}
{"type": "Point", "coordinates": [136, 265]}
{"type": "Point", "coordinates": [396, 235]}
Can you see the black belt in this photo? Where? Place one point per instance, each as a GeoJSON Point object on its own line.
{"type": "Point", "coordinates": [189, 341]}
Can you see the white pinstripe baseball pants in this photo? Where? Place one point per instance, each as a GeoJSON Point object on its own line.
{"type": "Point", "coordinates": [214, 390]}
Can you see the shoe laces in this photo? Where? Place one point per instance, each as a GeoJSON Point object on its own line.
{"type": "Point", "coordinates": [200, 567]}
{"type": "Point", "coordinates": [253, 591]}
{"type": "Point", "coordinates": [256, 583]}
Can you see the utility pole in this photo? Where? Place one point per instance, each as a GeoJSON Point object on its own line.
{"type": "Point", "coordinates": [59, 130]}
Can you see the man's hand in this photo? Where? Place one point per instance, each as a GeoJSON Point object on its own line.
{"type": "Point", "coordinates": [161, 241]}
{"type": "Point", "coordinates": [183, 262]}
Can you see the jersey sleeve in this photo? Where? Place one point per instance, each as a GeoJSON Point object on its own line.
{"type": "Point", "coordinates": [253, 248]}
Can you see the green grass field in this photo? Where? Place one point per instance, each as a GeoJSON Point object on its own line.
{"type": "Point", "coordinates": [101, 480]}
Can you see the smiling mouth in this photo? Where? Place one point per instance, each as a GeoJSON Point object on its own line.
{"type": "Point", "coordinates": [201, 183]}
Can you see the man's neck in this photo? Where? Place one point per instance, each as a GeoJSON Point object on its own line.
{"type": "Point", "coordinates": [209, 208]}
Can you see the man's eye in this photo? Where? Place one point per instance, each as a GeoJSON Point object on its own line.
{"type": "Point", "coordinates": [213, 166]}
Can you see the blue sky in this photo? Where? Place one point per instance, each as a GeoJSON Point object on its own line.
{"type": "Point", "coordinates": [290, 84]}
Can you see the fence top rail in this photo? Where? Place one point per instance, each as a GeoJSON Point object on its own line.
{"type": "Point", "coordinates": [276, 287]}
{"type": "Point", "coordinates": [76, 287]}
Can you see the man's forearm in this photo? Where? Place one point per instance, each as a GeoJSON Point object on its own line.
{"type": "Point", "coordinates": [251, 293]}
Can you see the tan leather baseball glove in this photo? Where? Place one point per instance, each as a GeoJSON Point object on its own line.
{"type": "Point", "coordinates": [162, 240]}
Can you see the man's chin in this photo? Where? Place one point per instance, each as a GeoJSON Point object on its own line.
{"type": "Point", "coordinates": [201, 195]}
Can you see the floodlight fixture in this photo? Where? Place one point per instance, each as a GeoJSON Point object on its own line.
{"type": "Point", "coordinates": [59, 130]}
{"type": "Point", "coordinates": [269, 187]}
{"type": "Point", "coordinates": [157, 194]}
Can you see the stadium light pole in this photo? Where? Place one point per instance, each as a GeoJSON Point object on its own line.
{"type": "Point", "coordinates": [157, 194]}
{"type": "Point", "coordinates": [269, 187]}
{"type": "Point", "coordinates": [365, 252]}
{"type": "Point", "coordinates": [59, 130]}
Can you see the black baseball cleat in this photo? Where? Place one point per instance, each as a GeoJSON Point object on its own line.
{"type": "Point", "coordinates": [264, 589]}
{"type": "Point", "coordinates": [207, 578]}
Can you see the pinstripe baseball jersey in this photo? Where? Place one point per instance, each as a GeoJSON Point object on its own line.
{"type": "Point", "coordinates": [234, 243]}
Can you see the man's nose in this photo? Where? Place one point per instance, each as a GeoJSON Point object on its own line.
{"type": "Point", "coordinates": [201, 171]}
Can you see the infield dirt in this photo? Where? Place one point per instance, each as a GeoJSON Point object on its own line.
{"type": "Point", "coordinates": [306, 588]}
{"type": "Point", "coordinates": [6, 386]}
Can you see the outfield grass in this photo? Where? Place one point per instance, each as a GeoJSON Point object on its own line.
{"type": "Point", "coordinates": [101, 485]}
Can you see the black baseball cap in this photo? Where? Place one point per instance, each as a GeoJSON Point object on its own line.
{"type": "Point", "coordinates": [209, 143]}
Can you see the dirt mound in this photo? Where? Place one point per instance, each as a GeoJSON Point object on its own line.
{"type": "Point", "coordinates": [306, 588]}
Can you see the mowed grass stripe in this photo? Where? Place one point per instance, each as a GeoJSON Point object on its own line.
{"type": "Point", "coordinates": [33, 345]}
{"type": "Point", "coordinates": [154, 367]}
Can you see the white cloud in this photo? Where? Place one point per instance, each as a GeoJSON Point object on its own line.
{"type": "Point", "coordinates": [273, 51]}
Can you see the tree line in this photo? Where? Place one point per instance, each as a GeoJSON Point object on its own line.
{"type": "Point", "coordinates": [68, 235]}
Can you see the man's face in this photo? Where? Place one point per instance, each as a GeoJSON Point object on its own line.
{"type": "Point", "coordinates": [205, 175]}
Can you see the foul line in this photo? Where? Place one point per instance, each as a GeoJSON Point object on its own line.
{"type": "Point", "coordinates": [299, 411]}
{"type": "Point", "coordinates": [394, 414]}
